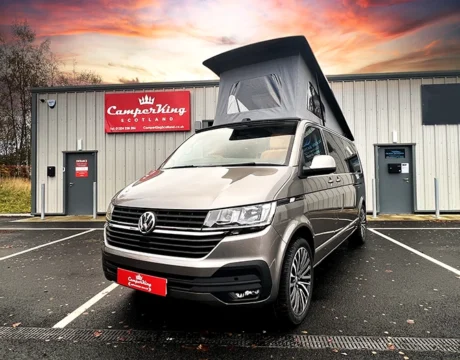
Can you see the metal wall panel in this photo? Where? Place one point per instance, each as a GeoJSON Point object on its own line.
{"type": "Point", "coordinates": [373, 108]}
{"type": "Point", "coordinates": [437, 147]}
{"type": "Point", "coordinates": [371, 138]}
{"type": "Point", "coordinates": [453, 160]}
{"type": "Point", "coordinates": [417, 138]}
{"type": "Point", "coordinates": [376, 108]}
{"type": "Point", "coordinates": [405, 126]}
{"type": "Point", "coordinates": [121, 158]}
{"type": "Point", "coordinates": [440, 135]}
{"type": "Point", "coordinates": [61, 144]}
{"type": "Point", "coordinates": [429, 157]}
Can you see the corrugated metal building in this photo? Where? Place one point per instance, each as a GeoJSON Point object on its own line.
{"type": "Point", "coordinates": [383, 109]}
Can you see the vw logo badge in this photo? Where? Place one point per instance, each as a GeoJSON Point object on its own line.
{"type": "Point", "coordinates": [146, 223]}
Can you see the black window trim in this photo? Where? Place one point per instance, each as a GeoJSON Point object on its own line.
{"type": "Point", "coordinates": [300, 160]}
{"type": "Point", "coordinates": [332, 133]}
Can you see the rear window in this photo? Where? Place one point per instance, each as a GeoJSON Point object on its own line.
{"type": "Point", "coordinates": [253, 94]}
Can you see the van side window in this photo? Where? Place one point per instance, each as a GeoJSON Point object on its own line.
{"type": "Point", "coordinates": [352, 158]}
{"type": "Point", "coordinates": [337, 151]}
{"type": "Point", "coordinates": [312, 145]}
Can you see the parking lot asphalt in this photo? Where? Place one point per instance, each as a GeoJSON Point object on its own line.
{"type": "Point", "coordinates": [444, 245]}
{"type": "Point", "coordinates": [381, 290]}
{"type": "Point", "coordinates": [13, 241]}
{"type": "Point", "coordinates": [40, 287]}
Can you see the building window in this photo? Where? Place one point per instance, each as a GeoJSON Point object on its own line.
{"type": "Point", "coordinates": [254, 94]}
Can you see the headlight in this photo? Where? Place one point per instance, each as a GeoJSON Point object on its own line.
{"type": "Point", "coordinates": [245, 216]}
{"type": "Point", "coordinates": [109, 212]}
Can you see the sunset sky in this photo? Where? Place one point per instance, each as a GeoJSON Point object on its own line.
{"type": "Point", "coordinates": [167, 40]}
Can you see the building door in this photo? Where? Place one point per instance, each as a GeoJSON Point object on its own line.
{"type": "Point", "coordinates": [80, 173]}
{"type": "Point", "coordinates": [395, 178]}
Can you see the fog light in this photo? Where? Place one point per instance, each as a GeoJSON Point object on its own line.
{"type": "Point", "coordinates": [247, 294]}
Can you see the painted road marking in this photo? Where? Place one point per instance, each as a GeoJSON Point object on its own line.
{"type": "Point", "coordinates": [427, 228]}
{"type": "Point", "coordinates": [437, 262]}
{"type": "Point", "coordinates": [37, 228]}
{"type": "Point", "coordinates": [43, 245]}
{"type": "Point", "coordinates": [77, 312]}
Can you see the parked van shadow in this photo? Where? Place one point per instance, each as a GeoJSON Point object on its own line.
{"type": "Point", "coordinates": [149, 312]}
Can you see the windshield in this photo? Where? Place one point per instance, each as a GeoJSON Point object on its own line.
{"type": "Point", "coordinates": [248, 145]}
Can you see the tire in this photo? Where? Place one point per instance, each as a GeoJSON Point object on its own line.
{"type": "Point", "coordinates": [288, 314]}
{"type": "Point", "coordinates": [359, 236]}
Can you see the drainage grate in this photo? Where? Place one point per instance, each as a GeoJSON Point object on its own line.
{"type": "Point", "coordinates": [237, 340]}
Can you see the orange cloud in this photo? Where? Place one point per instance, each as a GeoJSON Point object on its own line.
{"type": "Point", "coordinates": [372, 3]}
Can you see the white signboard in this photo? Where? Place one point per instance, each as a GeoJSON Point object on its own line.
{"type": "Point", "coordinates": [404, 168]}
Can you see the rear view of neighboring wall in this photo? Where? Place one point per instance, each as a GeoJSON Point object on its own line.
{"type": "Point", "coordinates": [374, 106]}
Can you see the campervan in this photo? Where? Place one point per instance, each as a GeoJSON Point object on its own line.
{"type": "Point", "coordinates": [242, 212]}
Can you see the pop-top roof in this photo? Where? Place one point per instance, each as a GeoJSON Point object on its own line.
{"type": "Point", "coordinates": [268, 52]}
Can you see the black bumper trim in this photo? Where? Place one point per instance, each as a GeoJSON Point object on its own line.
{"type": "Point", "coordinates": [234, 277]}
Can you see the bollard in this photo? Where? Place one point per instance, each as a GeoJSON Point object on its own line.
{"type": "Point", "coordinates": [42, 215]}
{"type": "Point", "coordinates": [374, 199]}
{"type": "Point", "coordinates": [94, 200]}
{"type": "Point", "coordinates": [436, 196]}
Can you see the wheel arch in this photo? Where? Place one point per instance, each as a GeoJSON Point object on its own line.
{"type": "Point", "coordinates": [302, 229]}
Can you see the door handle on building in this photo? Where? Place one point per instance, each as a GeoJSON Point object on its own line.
{"type": "Point", "coordinates": [330, 180]}
{"type": "Point", "coordinates": [70, 184]}
{"type": "Point", "coordinates": [406, 180]}
{"type": "Point", "coordinates": [338, 179]}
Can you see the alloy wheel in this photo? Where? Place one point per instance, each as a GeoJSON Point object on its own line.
{"type": "Point", "coordinates": [300, 281]}
{"type": "Point", "coordinates": [362, 224]}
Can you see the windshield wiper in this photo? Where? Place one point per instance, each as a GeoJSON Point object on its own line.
{"type": "Point", "coordinates": [224, 165]}
{"type": "Point", "coordinates": [182, 167]}
{"type": "Point", "coordinates": [252, 164]}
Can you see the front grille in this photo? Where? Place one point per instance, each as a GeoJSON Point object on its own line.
{"type": "Point", "coordinates": [179, 219]}
{"type": "Point", "coordinates": [188, 246]}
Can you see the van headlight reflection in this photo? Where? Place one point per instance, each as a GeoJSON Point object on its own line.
{"type": "Point", "coordinates": [109, 212]}
{"type": "Point", "coordinates": [244, 216]}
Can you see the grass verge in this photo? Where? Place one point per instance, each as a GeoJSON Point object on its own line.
{"type": "Point", "coordinates": [14, 196]}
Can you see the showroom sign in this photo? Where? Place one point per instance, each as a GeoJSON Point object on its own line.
{"type": "Point", "coordinates": [147, 112]}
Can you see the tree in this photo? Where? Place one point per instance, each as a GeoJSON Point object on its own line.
{"type": "Point", "coordinates": [24, 65]}
{"type": "Point", "coordinates": [85, 77]}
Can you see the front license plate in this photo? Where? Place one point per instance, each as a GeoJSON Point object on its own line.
{"type": "Point", "coordinates": [142, 282]}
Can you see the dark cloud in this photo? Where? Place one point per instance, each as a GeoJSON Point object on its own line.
{"type": "Point", "coordinates": [437, 55]}
{"type": "Point", "coordinates": [130, 67]}
{"type": "Point", "coordinates": [124, 80]}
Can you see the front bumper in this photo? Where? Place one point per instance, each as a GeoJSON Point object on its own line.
{"type": "Point", "coordinates": [239, 264]}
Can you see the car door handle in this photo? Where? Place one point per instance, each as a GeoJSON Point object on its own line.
{"type": "Point", "coordinates": [339, 179]}
{"type": "Point", "coordinates": [330, 180]}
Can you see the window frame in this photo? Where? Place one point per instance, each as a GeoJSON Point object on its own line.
{"type": "Point", "coordinates": [343, 161]}
{"type": "Point", "coordinates": [301, 162]}
{"type": "Point", "coordinates": [355, 154]}
{"type": "Point", "coordinates": [277, 80]}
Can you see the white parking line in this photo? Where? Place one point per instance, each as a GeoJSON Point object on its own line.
{"type": "Point", "coordinates": [37, 228]}
{"type": "Point", "coordinates": [77, 312]}
{"type": "Point", "coordinates": [43, 245]}
{"type": "Point", "coordinates": [437, 262]}
{"type": "Point", "coordinates": [427, 228]}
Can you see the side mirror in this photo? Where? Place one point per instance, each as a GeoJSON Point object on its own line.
{"type": "Point", "coordinates": [321, 165]}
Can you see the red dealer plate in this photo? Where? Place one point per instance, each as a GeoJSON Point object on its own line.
{"type": "Point", "coordinates": [142, 282]}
